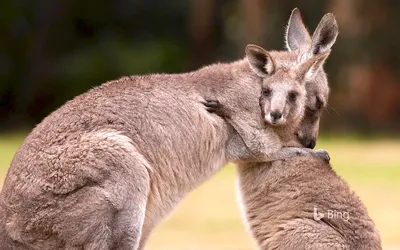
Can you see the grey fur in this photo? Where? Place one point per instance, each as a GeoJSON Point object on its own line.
{"type": "Point", "coordinates": [278, 199]}
{"type": "Point", "coordinates": [283, 78]}
{"type": "Point", "coordinates": [298, 40]}
{"type": "Point", "coordinates": [108, 166]}
{"type": "Point", "coordinates": [296, 32]}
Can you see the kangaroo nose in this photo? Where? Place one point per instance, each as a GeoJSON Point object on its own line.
{"type": "Point", "coordinates": [311, 144]}
{"type": "Point", "coordinates": [276, 115]}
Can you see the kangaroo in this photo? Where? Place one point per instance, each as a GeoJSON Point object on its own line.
{"type": "Point", "coordinates": [299, 40]}
{"type": "Point", "coordinates": [301, 203]}
{"type": "Point", "coordinates": [108, 166]}
{"type": "Point", "coordinates": [282, 102]}
{"type": "Point", "coordinates": [289, 204]}
{"type": "Point", "coordinates": [294, 85]}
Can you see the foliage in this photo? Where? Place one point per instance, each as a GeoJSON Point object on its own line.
{"type": "Point", "coordinates": [51, 51]}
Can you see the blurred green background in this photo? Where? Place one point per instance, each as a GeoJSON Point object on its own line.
{"type": "Point", "coordinates": [52, 50]}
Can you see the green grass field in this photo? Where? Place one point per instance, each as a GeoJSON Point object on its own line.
{"type": "Point", "coordinates": [209, 218]}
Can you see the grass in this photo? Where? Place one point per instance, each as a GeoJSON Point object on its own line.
{"type": "Point", "coordinates": [209, 217]}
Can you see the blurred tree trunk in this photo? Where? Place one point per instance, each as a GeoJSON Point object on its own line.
{"type": "Point", "coordinates": [370, 74]}
{"type": "Point", "coordinates": [30, 84]}
{"type": "Point", "coordinates": [34, 92]}
{"type": "Point", "coordinates": [253, 11]}
{"type": "Point", "coordinates": [205, 31]}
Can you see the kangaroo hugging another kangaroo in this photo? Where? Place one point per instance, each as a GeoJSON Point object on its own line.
{"type": "Point", "coordinates": [108, 166]}
{"type": "Point", "coordinates": [297, 203]}
{"type": "Point", "coordinates": [283, 101]}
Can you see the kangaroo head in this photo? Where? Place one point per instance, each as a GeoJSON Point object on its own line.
{"type": "Point", "coordinates": [299, 41]}
{"type": "Point", "coordinates": [284, 78]}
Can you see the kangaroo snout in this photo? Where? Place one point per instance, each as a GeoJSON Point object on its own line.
{"type": "Point", "coordinates": [275, 118]}
{"type": "Point", "coordinates": [276, 115]}
{"type": "Point", "coordinates": [311, 144]}
{"type": "Point", "coordinates": [308, 142]}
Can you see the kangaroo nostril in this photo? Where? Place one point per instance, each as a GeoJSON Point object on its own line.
{"type": "Point", "coordinates": [276, 115]}
{"type": "Point", "coordinates": [312, 144]}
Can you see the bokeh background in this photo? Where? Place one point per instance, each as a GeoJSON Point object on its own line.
{"type": "Point", "coordinates": [53, 50]}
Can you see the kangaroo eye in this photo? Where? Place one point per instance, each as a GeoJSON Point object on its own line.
{"type": "Point", "coordinates": [266, 92]}
{"type": "Point", "coordinates": [293, 96]}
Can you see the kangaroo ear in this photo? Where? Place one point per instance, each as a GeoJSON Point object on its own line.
{"type": "Point", "coordinates": [260, 60]}
{"type": "Point", "coordinates": [324, 35]}
{"type": "Point", "coordinates": [308, 69]}
{"type": "Point", "coordinates": [296, 32]}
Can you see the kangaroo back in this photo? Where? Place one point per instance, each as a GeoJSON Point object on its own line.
{"type": "Point", "coordinates": [301, 203]}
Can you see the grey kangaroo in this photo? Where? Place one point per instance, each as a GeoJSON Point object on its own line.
{"type": "Point", "coordinates": [108, 166]}
{"type": "Point", "coordinates": [301, 203]}
{"type": "Point", "coordinates": [283, 101]}
{"type": "Point", "coordinates": [294, 86]}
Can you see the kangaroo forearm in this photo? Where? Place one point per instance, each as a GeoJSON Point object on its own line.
{"type": "Point", "coordinates": [254, 139]}
{"type": "Point", "coordinates": [281, 154]}
{"type": "Point", "coordinates": [262, 147]}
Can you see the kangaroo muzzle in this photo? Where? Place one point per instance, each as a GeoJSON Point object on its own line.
{"type": "Point", "coordinates": [275, 118]}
